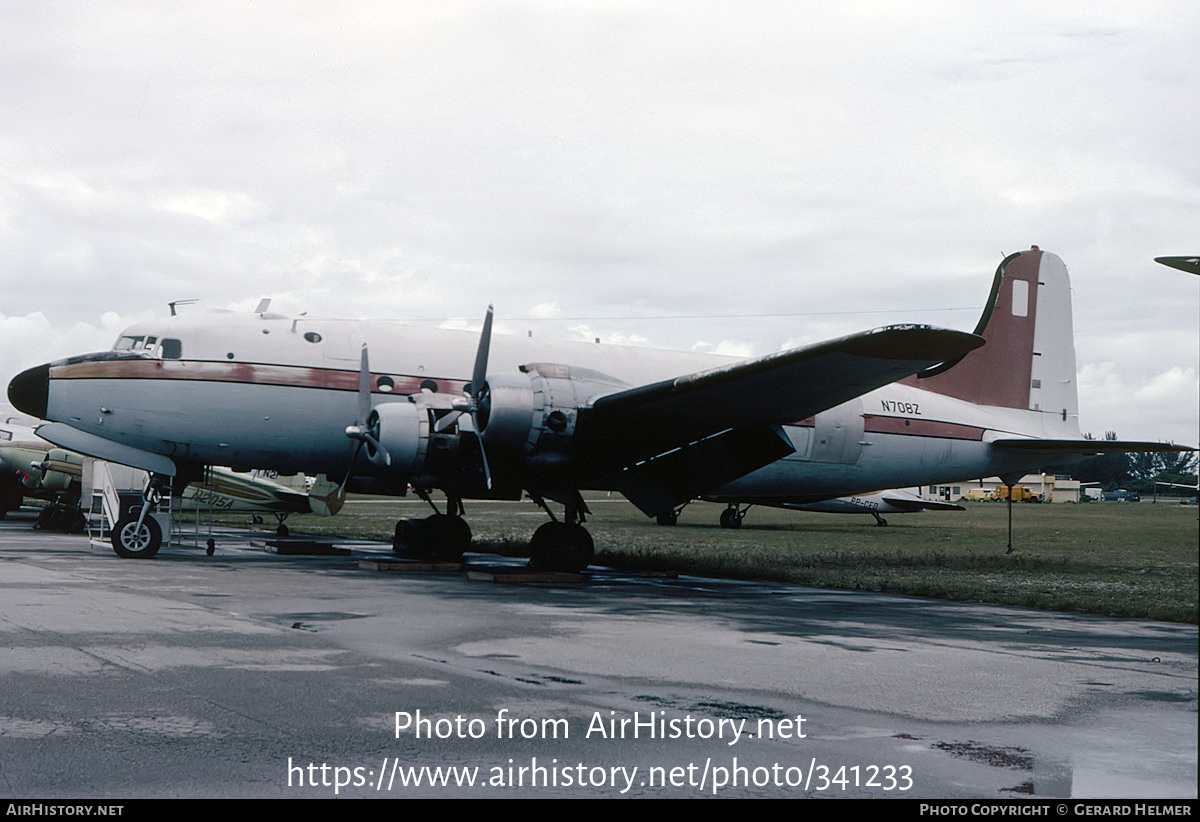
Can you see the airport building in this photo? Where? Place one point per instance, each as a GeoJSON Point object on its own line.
{"type": "Point", "coordinates": [1046, 487]}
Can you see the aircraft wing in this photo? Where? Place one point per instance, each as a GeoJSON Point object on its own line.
{"type": "Point", "coordinates": [673, 439]}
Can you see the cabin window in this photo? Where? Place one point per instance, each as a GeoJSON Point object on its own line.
{"type": "Point", "coordinates": [171, 349]}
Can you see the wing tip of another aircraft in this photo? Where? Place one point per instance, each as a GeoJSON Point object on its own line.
{"type": "Point", "coordinates": [1190, 264]}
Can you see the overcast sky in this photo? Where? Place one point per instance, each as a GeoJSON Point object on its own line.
{"type": "Point", "coordinates": [739, 177]}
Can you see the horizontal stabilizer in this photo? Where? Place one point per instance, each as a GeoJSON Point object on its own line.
{"type": "Point", "coordinates": [325, 497]}
{"type": "Point", "coordinates": [911, 503]}
{"type": "Point", "coordinates": [1088, 448]}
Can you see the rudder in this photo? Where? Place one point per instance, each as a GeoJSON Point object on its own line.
{"type": "Point", "coordinates": [1028, 361]}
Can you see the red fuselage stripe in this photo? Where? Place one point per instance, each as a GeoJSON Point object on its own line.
{"type": "Point", "coordinates": [292, 376]}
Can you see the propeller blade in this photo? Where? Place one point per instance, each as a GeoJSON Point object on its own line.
{"type": "Point", "coordinates": [349, 468]}
{"type": "Point", "coordinates": [361, 431]}
{"type": "Point", "coordinates": [364, 389]}
{"type": "Point", "coordinates": [487, 472]}
{"type": "Point", "coordinates": [479, 389]}
{"type": "Point", "coordinates": [479, 375]}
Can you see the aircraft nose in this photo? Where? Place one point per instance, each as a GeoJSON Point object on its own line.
{"type": "Point", "coordinates": [29, 390]}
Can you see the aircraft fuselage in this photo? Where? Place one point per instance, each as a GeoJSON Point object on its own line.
{"type": "Point", "coordinates": [261, 392]}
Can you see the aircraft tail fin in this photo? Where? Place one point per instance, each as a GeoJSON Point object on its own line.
{"type": "Point", "coordinates": [1028, 361]}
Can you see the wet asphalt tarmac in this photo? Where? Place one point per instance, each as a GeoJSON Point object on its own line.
{"type": "Point", "coordinates": [249, 674]}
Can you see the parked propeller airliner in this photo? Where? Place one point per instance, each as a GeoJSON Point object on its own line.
{"type": "Point", "coordinates": [385, 406]}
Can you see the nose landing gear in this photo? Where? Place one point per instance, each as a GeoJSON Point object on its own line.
{"type": "Point", "coordinates": [137, 534]}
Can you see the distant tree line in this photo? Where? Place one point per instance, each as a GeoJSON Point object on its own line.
{"type": "Point", "coordinates": [1139, 471]}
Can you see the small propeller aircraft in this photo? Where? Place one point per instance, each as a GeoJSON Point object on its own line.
{"type": "Point", "coordinates": [382, 407]}
{"type": "Point", "coordinates": [877, 503]}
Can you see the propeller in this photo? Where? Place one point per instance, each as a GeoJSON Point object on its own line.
{"type": "Point", "coordinates": [475, 402]}
{"type": "Point", "coordinates": [365, 431]}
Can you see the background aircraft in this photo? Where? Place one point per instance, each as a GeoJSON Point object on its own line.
{"type": "Point", "coordinates": [1188, 264]}
{"type": "Point", "coordinates": [552, 418]}
{"type": "Point", "coordinates": [36, 469]}
{"type": "Point", "coordinates": [892, 501]}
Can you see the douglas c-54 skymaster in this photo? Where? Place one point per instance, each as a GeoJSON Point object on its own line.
{"type": "Point", "coordinates": [554, 418]}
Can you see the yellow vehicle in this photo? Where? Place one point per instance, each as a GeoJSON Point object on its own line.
{"type": "Point", "coordinates": [1019, 494]}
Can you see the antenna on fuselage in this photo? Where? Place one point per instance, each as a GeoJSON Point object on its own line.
{"type": "Point", "coordinates": [180, 302]}
{"type": "Point", "coordinates": [263, 305]}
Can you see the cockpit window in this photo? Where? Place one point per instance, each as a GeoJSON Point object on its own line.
{"type": "Point", "coordinates": [168, 348]}
{"type": "Point", "coordinates": [129, 343]}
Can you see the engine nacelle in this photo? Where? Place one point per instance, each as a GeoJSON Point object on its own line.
{"type": "Point", "coordinates": [60, 469]}
{"type": "Point", "coordinates": [525, 418]}
{"type": "Point", "coordinates": [534, 413]}
{"type": "Point", "coordinates": [402, 428]}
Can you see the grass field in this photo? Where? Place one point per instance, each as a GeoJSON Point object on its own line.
{"type": "Point", "coordinates": [1116, 559]}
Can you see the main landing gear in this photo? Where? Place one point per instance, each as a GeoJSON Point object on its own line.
{"type": "Point", "coordinates": [558, 545]}
{"type": "Point", "coordinates": [733, 515]}
{"type": "Point", "coordinates": [62, 515]}
{"type": "Point", "coordinates": [565, 545]}
{"type": "Point", "coordinates": [670, 516]}
{"type": "Point", "coordinates": [281, 529]}
{"type": "Point", "coordinates": [443, 537]}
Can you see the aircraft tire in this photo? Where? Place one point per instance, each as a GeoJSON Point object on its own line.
{"type": "Point", "coordinates": [74, 522]}
{"type": "Point", "coordinates": [402, 539]}
{"type": "Point", "coordinates": [441, 537]}
{"type": "Point", "coordinates": [131, 542]}
{"type": "Point", "coordinates": [47, 518]}
{"type": "Point", "coordinates": [730, 518]}
{"type": "Point", "coordinates": [451, 536]}
{"type": "Point", "coordinates": [668, 518]}
{"type": "Point", "coordinates": [557, 546]}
